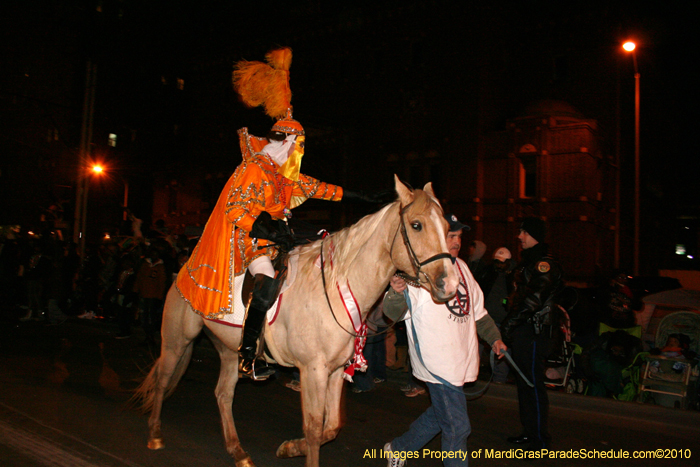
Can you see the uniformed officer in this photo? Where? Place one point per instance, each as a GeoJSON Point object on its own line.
{"type": "Point", "coordinates": [536, 280]}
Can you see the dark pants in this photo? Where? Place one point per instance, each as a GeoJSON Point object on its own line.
{"type": "Point", "coordinates": [35, 290]}
{"type": "Point", "coordinates": [529, 352]}
{"type": "Point", "coordinates": [125, 313]}
{"type": "Point", "coordinates": [152, 309]}
{"type": "Point", "coordinates": [375, 354]}
{"type": "Point", "coordinates": [447, 415]}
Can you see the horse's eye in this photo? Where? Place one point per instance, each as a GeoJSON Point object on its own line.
{"type": "Point", "coordinates": [417, 226]}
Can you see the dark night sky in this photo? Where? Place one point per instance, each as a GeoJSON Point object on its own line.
{"type": "Point", "coordinates": [321, 33]}
{"type": "Point", "coordinates": [340, 76]}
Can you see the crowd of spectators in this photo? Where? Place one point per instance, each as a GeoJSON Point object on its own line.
{"type": "Point", "coordinates": [122, 278]}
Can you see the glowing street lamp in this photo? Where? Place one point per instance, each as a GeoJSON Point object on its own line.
{"type": "Point", "coordinates": [630, 47]}
{"type": "Point", "coordinates": [95, 169]}
{"type": "Point", "coordinates": [99, 170]}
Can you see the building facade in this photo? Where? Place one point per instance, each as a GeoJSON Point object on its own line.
{"type": "Point", "coordinates": [547, 163]}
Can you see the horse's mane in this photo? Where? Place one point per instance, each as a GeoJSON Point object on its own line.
{"type": "Point", "coordinates": [347, 243]}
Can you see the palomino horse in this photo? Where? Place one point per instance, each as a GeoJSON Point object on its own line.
{"type": "Point", "coordinates": [312, 330]}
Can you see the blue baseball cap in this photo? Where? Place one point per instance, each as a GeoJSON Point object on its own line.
{"type": "Point", "coordinates": [455, 224]}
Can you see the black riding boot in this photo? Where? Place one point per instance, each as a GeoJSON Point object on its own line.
{"type": "Point", "coordinates": [264, 293]}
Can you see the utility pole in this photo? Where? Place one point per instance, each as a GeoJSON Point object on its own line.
{"type": "Point", "coordinates": [82, 181]}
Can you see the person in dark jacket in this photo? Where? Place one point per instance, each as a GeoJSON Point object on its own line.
{"type": "Point", "coordinates": [536, 281]}
{"type": "Point", "coordinates": [494, 285]}
{"type": "Point", "coordinates": [150, 286]}
{"type": "Point", "coordinates": [126, 299]}
{"type": "Point", "coordinates": [37, 272]}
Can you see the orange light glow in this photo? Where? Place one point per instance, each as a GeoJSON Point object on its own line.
{"type": "Point", "coordinates": [97, 169]}
{"type": "Point", "coordinates": [629, 46]}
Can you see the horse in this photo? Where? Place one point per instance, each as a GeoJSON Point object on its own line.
{"type": "Point", "coordinates": [310, 331]}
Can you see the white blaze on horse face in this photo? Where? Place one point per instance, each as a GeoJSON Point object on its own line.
{"type": "Point", "coordinates": [451, 280]}
{"type": "Point", "coordinates": [443, 278]}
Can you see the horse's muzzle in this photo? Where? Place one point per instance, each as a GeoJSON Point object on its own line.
{"type": "Point", "coordinates": [445, 288]}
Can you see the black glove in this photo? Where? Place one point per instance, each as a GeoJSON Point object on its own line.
{"type": "Point", "coordinates": [380, 197]}
{"type": "Point", "coordinates": [274, 230]}
{"type": "Point", "coordinates": [284, 242]}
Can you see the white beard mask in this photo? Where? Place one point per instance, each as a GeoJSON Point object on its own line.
{"type": "Point", "coordinates": [279, 150]}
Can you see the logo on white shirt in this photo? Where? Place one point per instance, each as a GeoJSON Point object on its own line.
{"type": "Point", "coordinates": [459, 306]}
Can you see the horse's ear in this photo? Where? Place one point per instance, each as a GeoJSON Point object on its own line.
{"type": "Point", "coordinates": [405, 194]}
{"type": "Point", "coordinates": [428, 188]}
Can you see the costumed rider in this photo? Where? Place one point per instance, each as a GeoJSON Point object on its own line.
{"type": "Point", "coordinates": [248, 228]}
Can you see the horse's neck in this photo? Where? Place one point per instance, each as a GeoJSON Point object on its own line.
{"type": "Point", "coordinates": [369, 272]}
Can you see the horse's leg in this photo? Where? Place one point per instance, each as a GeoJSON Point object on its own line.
{"type": "Point", "coordinates": [314, 383]}
{"type": "Point", "coordinates": [225, 388]}
{"type": "Point", "coordinates": [180, 327]}
{"type": "Point", "coordinates": [332, 418]}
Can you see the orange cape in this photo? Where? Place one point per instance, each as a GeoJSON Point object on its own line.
{"type": "Point", "coordinates": [225, 250]}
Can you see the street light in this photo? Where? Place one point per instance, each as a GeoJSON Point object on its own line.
{"type": "Point", "coordinates": [98, 169]}
{"type": "Point", "coordinates": [95, 169]}
{"type": "Point", "coordinates": [126, 190]}
{"type": "Point", "coordinates": [630, 47]}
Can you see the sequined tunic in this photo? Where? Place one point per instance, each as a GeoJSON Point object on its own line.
{"type": "Point", "coordinates": [225, 250]}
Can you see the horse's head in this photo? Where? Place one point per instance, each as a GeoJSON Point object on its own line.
{"type": "Point", "coordinates": [419, 248]}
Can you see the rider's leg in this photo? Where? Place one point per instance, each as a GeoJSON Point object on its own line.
{"type": "Point", "coordinates": [264, 293]}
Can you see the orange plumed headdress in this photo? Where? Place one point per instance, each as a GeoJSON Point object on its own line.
{"type": "Point", "coordinates": [267, 84]}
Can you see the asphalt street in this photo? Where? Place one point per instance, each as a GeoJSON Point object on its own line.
{"type": "Point", "coordinates": [64, 394]}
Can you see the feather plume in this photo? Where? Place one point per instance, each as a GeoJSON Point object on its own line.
{"type": "Point", "coordinates": [280, 59]}
{"type": "Point", "coordinates": [266, 84]}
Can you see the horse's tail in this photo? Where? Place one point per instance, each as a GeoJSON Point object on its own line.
{"type": "Point", "coordinates": [144, 397]}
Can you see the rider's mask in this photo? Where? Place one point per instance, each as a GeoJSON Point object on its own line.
{"type": "Point", "coordinates": [290, 169]}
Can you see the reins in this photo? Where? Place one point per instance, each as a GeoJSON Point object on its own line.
{"type": "Point", "coordinates": [325, 293]}
{"type": "Point", "coordinates": [444, 382]}
{"type": "Point", "coordinates": [328, 300]}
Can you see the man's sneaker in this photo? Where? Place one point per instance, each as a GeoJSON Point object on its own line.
{"type": "Point", "coordinates": [417, 391]}
{"type": "Point", "coordinates": [294, 385]}
{"type": "Point", "coordinates": [391, 460]}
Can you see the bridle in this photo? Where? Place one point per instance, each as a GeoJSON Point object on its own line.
{"type": "Point", "coordinates": [416, 263]}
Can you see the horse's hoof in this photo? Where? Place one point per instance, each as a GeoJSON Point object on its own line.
{"type": "Point", "coordinates": [283, 451]}
{"type": "Point", "coordinates": [156, 444]}
{"type": "Point", "coordinates": [247, 462]}
{"type": "Point", "coordinates": [288, 449]}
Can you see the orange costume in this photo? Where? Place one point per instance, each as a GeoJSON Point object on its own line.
{"type": "Point", "coordinates": [225, 249]}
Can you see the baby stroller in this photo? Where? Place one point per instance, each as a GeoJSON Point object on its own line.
{"type": "Point", "coordinates": [669, 375]}
{"type": "Point", "coordinates": [611, 363]}
{"type": "Point", "coordinates": [561, 369]}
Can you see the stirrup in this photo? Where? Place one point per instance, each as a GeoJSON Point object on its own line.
{"type": "Point", "coordinates": [254, 371]}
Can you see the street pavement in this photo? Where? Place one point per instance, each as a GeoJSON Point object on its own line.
{"type": "Point", "coordinates": [64, 394]}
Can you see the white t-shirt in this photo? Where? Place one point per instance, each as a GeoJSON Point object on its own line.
{"type": "Point", "coordinates": [446, 331]}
